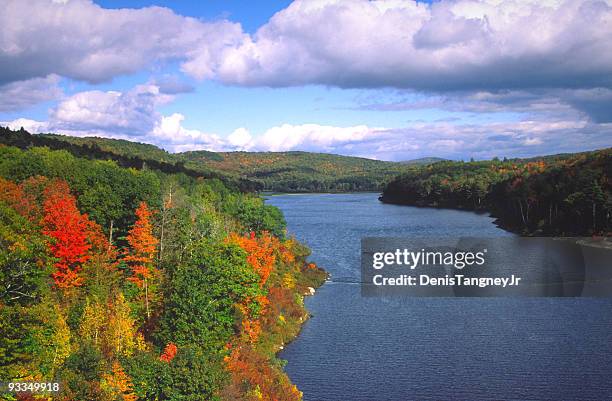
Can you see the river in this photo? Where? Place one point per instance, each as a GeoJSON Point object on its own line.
{"type": "Point", "coordinates": [398, 349]}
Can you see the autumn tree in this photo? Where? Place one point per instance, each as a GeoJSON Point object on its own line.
{"type": "Point", "coordinates": [68, 230]}
{"type": "Point", "coordinates": [21, 201]}
{"type": "Point", "coordinates": [118, 384]}
{"type": "Point", "coordinates": [261, 256]}
{"type": "Point", "coordinates": [260, 252]}
{"type": "Point", "coordinates": [120, 334]}
{"type": "Point", "coordinates": [140, 255]}
{"type": "Point", "coordinates": [93, 322]}
{"type": "Point", "coordinates": [169, 353]}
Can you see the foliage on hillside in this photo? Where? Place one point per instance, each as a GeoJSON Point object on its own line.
{"type": "Point", "coordinates": [301, 171]}
{"type": "Point", "coordinates": [124, 153]}
{"type": "Point", "coordinates": [555, 195]}
{"type": "Point", "coordinates": [134, 284]}
{"type": "Point", "coordinates": [249, 171]}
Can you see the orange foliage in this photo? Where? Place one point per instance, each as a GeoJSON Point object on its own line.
{"type": "Point", "coordinates": [264, 382]}
{"type": "Point", "coordinates": [74, 238]}
{"type": "Point", "coordinates": [15, 197]}
{"type": "Point", "coordinates": [252, 328]}
{"type": "Point", "coordinates": [121, 383]}
{"type": "Point", "coordinates": [169, 353]}
{"type": "Point", "coordinates": [287, 255]}
{"type": "Point", "coordinates": [261, 256]}
{"type": "Point", "coordinates": [260, 252]}
{"type": "Point", "coordinates": [143, 246]}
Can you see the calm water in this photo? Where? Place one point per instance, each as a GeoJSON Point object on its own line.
{"type": "Point", "coordinates": [355, 348]}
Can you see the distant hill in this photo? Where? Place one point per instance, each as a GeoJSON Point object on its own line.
{"type": "Point", "coordinates": [117, 146]}
{"type": "Point", "coordinates": [273, 171]}
{"type": "Point", "coordinates": [300, 171]}
{"type": "Point", "coordinates": [424, 160]}
{"type": "Point", "coordinates": [125, 153]}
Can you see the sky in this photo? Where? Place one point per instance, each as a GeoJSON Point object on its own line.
{"type": "Point", "coordinates": [386, 79]}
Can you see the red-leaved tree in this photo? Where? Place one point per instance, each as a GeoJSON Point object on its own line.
{"type": "Point", "coordinates": [68, 230]}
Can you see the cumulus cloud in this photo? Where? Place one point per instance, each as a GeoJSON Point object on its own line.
{"type": "Point", "coordinates": [81, 40]}
{"type": "Point", "coordinates": [18, 95]}
{"type": "Point", "coordinates": [132, 112]}
{"type": "Point", "coordinates": [130, 115]}
{"type": "Point", "coordinates": [32, 126]}
{"type": "Point", "coordinates": [169, 133]}
{"type": "Point", "coordinates": [548, 60]}
{"type": "Point", "coordinates": [241, 139]}
{"type": "Point", "coordinates": [444, 139]}
{"type": "Point", "coordinates": [449, 45]}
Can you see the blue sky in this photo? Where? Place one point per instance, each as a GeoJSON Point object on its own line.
{"type": "Point", "coordinates": [392, 80]}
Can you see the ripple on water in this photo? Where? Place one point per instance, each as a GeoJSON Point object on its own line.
{"type": "Point", "coordinates": [365, 349]}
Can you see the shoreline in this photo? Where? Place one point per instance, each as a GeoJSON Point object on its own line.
{"type": "Point", "coordinates": [498, 222]}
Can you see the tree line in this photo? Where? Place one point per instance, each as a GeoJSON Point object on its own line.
{"type": "Point", "coordinates": [124, 153]}
{"type": "Point", "coordinates": [557, 195]}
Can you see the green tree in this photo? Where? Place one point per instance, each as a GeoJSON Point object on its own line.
{"type": "Point", "coordinates": [200, 306]}
{"type": "Point", "coordinates": [24, 265]}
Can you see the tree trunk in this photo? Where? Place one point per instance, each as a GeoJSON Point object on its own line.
{"type": "Point", "coordinates": [110, 236]}
{"type": "Point", "coordinates": [550, 214]}
{"type": "Point", "coordinates": [147, 297]}
{"type": "Point", "coordinates": [522, 213]}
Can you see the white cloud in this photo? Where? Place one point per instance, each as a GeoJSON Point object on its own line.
{"type": "Point", "coordinates": [170, 134]}
{"type": "Point", "coordinates": [132, 113]}
{"type": "Point", "coordinates": [241, 139]}
{"type": "Point", "coordinates": [32, 126]}
{"type": "Point", "coordinates": [443, 139]}
{"type": "Point", "coordinates": [313, 137]}
{"type": "Point", "coordinates": [449, 45]}
{"type": "Point", "coordinates": [81, 40]}
{"type": "Point", "coordinates": [532, 141]}
{"type": "Point", "coordinates": [18, 95]}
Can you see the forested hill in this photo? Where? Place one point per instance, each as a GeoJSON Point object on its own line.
{"type": "Point", "coordinates": [125, 153]}
{"type": "Point", "coordinates": [143, 284]}
{"type": "Point", "coordinates": [301, 171]}
{"type": "Point", "coordinates": [567, 194]}
{"type": "Point", "coordinates": [249, 171]}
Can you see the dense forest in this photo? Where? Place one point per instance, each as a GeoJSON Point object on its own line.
{"type": "Point", "coordinates": [566, 194]}
{"type": "Point", "coordinates": [301, 171]}
{"type": "Point", "coordinates": [253, 171]}
{"type": "Point", "coordinates": [142, 283]}
{"type": "Point", "coordinates": [124, 153]}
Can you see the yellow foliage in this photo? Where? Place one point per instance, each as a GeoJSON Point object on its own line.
{"type": "Point", "coordinates": [120, 334]}
{"type": "Point", "coordinates": [288, 281]}
{"type": "Point", "coordinates": [61, 338]}
{"type": "Point", "coordinates": [93, 321]}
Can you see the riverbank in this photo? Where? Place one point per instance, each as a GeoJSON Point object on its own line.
{"type": "Point", "coordinates": [434, 205]}
{"type": "Point", "coordinates": [256, 370]}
